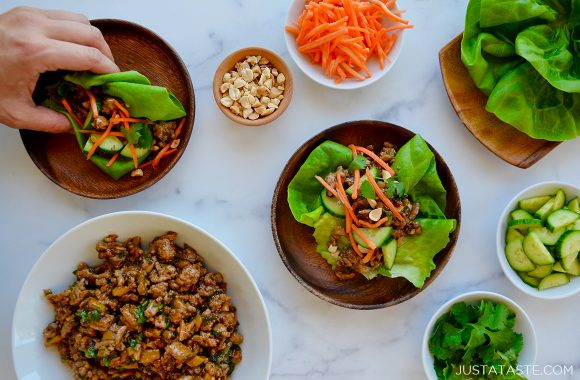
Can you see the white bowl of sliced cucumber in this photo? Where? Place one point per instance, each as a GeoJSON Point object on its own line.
{"type": "Point", "coordinates": [538, 240]}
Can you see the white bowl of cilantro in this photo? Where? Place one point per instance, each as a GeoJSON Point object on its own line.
{"type": "Point", "coordinates": [479, 333]}
{"type": "Point", "coordinates": [538, 240]}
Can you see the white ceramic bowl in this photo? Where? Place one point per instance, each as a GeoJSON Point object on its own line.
{"type": "Point", "coordinates": [543, 188]}
{"type": "Point", "coordinates": [316, 73]}
{"type": "Point", "coordinates": [523, 326]}
{"type": "Point", "coordinates": [54, 270]}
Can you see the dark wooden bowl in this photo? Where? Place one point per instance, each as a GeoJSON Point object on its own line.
{"type": "Point", "coordinates": [59, 157]}
{"type": "Point", "coordinates": [296, 244]}
{"type": "Point", "coordinates": [469, 102]}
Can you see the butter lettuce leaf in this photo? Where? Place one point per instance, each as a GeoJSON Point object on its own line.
{"type": "Point", "coordinates": [304, 190]}
{"type": "Point", "coordinates": [143, 98]}
{"type": "Point", "coordinates": [414, 260]}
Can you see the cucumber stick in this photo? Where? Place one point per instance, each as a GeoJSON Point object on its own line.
{"type": "Point", "coordinates": [561, 218]}
{"type": "Point", "coordinates": [553, 280]}
{"type": "Point", "coordinates": [574, 205]}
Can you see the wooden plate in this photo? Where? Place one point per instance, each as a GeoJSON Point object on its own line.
{"type": "Point", "coordinates": [59, 157]}
{"type": "Point", "coordinates": [469, 102]}
{"type": "Point", "coordinates": [296, 244]}
{"type": "Point", "coordinates": [228, 65]}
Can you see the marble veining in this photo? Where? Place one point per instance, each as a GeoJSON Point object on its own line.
{"type": "Point", "coordinates": [225, 179]}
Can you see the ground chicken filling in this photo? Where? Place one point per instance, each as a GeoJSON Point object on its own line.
{"type": "Point", "coordinates": [154, 313]}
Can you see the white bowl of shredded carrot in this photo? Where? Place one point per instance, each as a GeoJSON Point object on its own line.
{"type": "Point", "coordinates": [345, 44]}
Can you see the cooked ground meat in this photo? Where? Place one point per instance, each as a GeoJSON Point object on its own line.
{"type": "Point", "coordinates": [153, 313]}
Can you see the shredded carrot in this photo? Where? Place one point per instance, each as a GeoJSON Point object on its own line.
{"type": "Point", "coordinates": [102, 138]}
{"type": "Point", "coordinates": [399, 241]}
{"type": "Point", "coordinates": [344, 35]}
{"type": "Point", "coordinates": [326, 186]}
{"type": "Point", "coordinates": [369, 256]}
{"type": "Point", "coordinates": [354, 245]}
{"type": "Point", "coordinates": [71, 113]}
{"type": "Point", "coordinates": [179, 128]}
{"type": "Point", "coordinates": [377, 159]}
{"type": "Point", "coordinates": [159, 156]}
{"type": "Point", "coordinates": [348, 221]}
{"type": "Point", "coordinates": [354, 151]}
{"type": "Point", "coordinates": [134, 155]}
{"type": "Point", "coordinates": [383, 197]}
{"type": "Point", "coordinates": [367, 241]}
{"type": "Point", "coordinates": [112, 160]}
{"type": "Point", "coordinates": [122, 109]}
{"type": "Point", "coordinates": [94, 132]}
{"type": "Point", "coordinates": [374, 225]}
{"type": "Point", "coordinates": [93, 102]}
{"type": "Point", "coordinates": [356, 184]}
{"type": "Point", "coordinates": [344, 198]}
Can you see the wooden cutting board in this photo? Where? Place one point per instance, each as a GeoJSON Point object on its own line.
{"type": "Point", "coordinates": [502, 139]}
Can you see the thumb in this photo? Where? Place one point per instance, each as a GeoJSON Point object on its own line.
{"type": "Point", "coordinates": [38, 118]}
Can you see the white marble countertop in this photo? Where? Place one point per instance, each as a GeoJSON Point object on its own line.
{"type": "Point", "coordinates": [312, 339]}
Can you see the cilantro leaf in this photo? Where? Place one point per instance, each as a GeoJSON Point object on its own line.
{"type": "Point", "coordinates": [367, 190]}
{"type": "Point", "coordinates": [394, 188]}
{"type": "Point", "coordinates": [140, 312]}
{"type": "Point", "coordinates": [134, 134]}
{"type": "Point", "coordinates": [360, 162]}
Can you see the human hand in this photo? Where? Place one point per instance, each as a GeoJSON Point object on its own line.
{"type": "Point", "coordinates": [33, 41]}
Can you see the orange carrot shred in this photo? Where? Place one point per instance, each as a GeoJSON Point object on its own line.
{"type": "Point", "coordinates": [363, 237]}
{"type": "Point", "coordinates": [326, 186]}
{"type": "Point", "coordinates": [102, 138]}
{"type": "Point", "coordinates": [344, 198]}
{"type": "Point", "coordinates": [354, 245]}
{"type": "Point", "coordinates": [383, 197]}
{"type": "Point", "coordinates": [377, 159]}
{"type": "Point", "coordinates": [374, 225]}
{"type": "Point", "coordinates": [159, 156]}
{"type": "Point", "coordinates": [93, 103]}
{"type": "Point", "coordinates": [71, 113]}
{"type": "Point", "coordinates": [112, 160]}
{"type": "Point", "coordinates": [369, 256]}
{"type": "Point", "coordinates": [123, 110]}
{"type": "Point", "coordinates": [356, 184]}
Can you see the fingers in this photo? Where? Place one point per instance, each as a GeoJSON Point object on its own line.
{"type": "Point", "coordinates": [81, 34]}
{"type": "Point", "coordinates": [70, 56]}
{"type": "Point", "coordinates": [37, 118]}
{"type": "Point", "coordinates": [65, 16]}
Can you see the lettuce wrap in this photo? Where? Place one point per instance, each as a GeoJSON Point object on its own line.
{"type": "Point", "coordinates": [142, 99]}
{"type": "Point", "coordinates": [525, 55]}
{"type": "Point", "coordinates": [416, 173]}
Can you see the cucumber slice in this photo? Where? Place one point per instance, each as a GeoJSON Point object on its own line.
{"type": "Point", "coordinates": [546, 209]}
{"type": "Point", "coordinates": [88, 145]}
{"type": "Point", "coordinates": [532, 205]}
{"type": "Point", "coordinates": [536, 250]}
{"type": "Point", "coordinates": [571, 265]}
{"type": "Point", "coordinates": [389, 253]}
{"type": "Point", "coordinates": [520, 214]}
{"type": "Point", "coordinates": [548, 237]}
{"type": "Point", "coordinates": [514, 252]}
{"type": "Point", "coordinates": [568, 245]}
{"type": "Point", "coordinates": [559, 199]}
{"type": "Point", "coordinates": [143, 148]}
{"type": "Point", "coordinates": [558, 267]}
{"type": "Point", "coordinates": [378, 236]}
{"type": "Point", "coordinates": [332, 205]}
{"type": "Point", "coordinates": [374, 172]}
{"type": "Point", "coordinates": [524, 224]}
{"type": "Point", "coordinates": [541, 271]}
{"type": "Point", "coordinates": [532, 281]}
{"type": "Point", "coordinates": [574, 205]}
{"type": "Point", "coordinates": [553, 280]}
{"type": "Point", "coordinates": [513, 234]}
{"type": "Point", "coordinates": [110, 145]}
{"type": "Point", "coordinates": [561, 218]}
